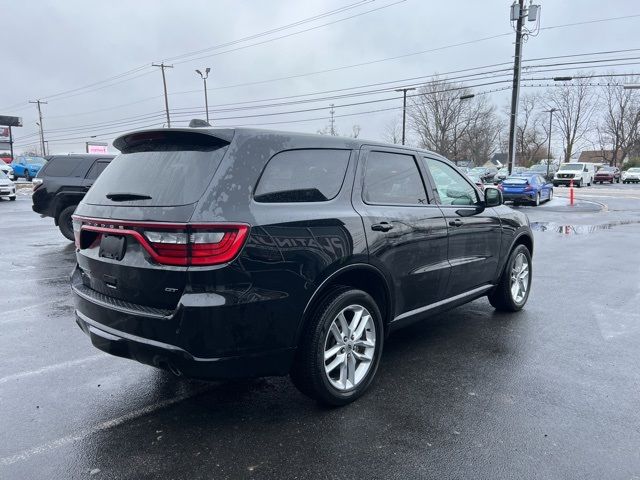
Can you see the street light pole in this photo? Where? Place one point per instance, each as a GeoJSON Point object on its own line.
{"type": "Point", "coordinates": [404, 109]}
{"type": "Point", "coordinates": [549, 149]}
{"type": "Point", "coordinates": [204, 77]}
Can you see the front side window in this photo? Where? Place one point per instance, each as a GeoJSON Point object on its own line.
{"type": "Point", "coordinates": [308, 175]}
{"type": "Point", "coordinates": [452, 187]}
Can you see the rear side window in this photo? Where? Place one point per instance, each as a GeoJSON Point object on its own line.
{"type": "Point", "coordinates": [171, 173]}
{"type": "Point", "coordinates": [393, 179]}
{"type": "Point", "coordinates": [311, 175]}
{"type": "Point", "coordinates": [62, 166]}
{"type": "Point", "coordinates": [97, 169]}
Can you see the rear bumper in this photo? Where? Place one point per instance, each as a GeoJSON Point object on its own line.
{"type": "Point", "coordinates": [525, 197]}
{"type": "Point", "coordinates": [179, 361]}
{"type": "Point", "coordinates": [176, 340]}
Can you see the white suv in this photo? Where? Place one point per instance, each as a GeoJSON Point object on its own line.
{"type": "Point", "coordinates": [580, 173]}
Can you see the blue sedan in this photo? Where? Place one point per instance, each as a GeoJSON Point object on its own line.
{"type": "Point", "coordinates": [530, 188]}
{"type": "Point", "coordinates": [27, 167]}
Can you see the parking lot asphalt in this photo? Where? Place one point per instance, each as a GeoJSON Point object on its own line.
{"type": "Point", "coordinates": [550, 392]}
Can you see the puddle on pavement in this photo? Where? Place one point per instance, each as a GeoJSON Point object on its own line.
{"type": "Point", "coordinates": [577, 229]}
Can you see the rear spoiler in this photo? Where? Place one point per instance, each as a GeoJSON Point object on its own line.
{"type": "Point", "coordinates": [146, 139]}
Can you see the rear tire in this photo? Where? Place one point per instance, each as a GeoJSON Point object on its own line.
{"type": "Point", "coordinates": [27, 176]}
{"type": "Point", "coordinates": [537, 200]}
{"type": "Point", "coordinates": [504, 296]}
{"type": "Point", "coordinates": [65, 224]}
{"type": "Point", "coordinates": [311, 373]}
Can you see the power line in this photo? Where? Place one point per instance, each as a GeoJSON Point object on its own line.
{"type": "Point", "coordinates": [195, 110]}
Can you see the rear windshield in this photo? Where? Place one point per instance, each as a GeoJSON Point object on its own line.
{"type": "Point", "coordinates": [172, 175]}
{"type": "Point", "coordinates": [516, 180]}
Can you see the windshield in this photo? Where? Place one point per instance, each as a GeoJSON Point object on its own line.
{"type": "Point", "coordinates": [607, 169]}
{"type": "Point", "coordinates": [572, 166]}
{"type": "Point", "coordinates": [539, 168]}
{"type": "Point", "coordinates": [634, 170]}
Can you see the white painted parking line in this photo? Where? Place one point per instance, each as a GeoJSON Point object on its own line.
{"type": "Point", "coordinates": [82, 434]}
{"type": "Point", "coordinates": [52, 368]}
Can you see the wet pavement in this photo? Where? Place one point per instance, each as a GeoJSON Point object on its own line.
{"type": "Point", "coordinates": [550, 392]}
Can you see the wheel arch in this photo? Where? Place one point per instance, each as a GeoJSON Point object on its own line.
{"type": "Point", "coordinates": [361, 276]}
{"type": "Point", "coordinates": [62, 201]}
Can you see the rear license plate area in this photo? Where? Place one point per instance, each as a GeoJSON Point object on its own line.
{"type": "Point", "coordinates": [113, 247]}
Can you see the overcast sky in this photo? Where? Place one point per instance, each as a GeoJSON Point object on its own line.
{"type": "Point", "coordinates": [52, 47]}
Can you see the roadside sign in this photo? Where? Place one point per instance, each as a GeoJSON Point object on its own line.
{"type": "Point", "coordinates": [94, 147]}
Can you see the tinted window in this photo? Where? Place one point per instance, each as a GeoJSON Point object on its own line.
{"type": "Point", "coordinates": [393, 179]}
{"type": "Point", "coordinates": [97, 169]}
{"type": "Point", "coordinates": [452, 187]}
{"type": "Point", "coordinates": [171, 175]}
{"type": "Point", "coordinates": [62, 166]}
{"type": "Point", "coordinates": [303, 176]}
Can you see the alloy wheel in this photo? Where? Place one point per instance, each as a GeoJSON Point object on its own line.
{"type": "Point", "coordinates": [349, 347]}
{"type": "Point", "coordinates": [519, 278]}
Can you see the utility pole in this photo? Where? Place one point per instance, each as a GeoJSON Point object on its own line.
{"type": "Point", "coordinates": [162, 66]}
{"type": "Point", "coordinates": [332, 121]}
{"type": "Point", "coordinates": [550, 111]}
{"type": "Point", "coordinates": [11, 142]}
{"type": "Point", "coordinates": [38, 103]}
{"type": "Point", "coordinates": [204, 77]}
{"type": "Point", "coordinates": [404, 109]}
{"type": "Point", "coordinates": [518, 12]}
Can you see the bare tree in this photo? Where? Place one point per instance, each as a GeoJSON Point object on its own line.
{"type": "Point", "coordinates": [442, 119]}
{"type": "Point", "coordinates": [618, 126]}
{"type": "Point", "coordinates": [574, 104]}
{"type": "Point", "coordinates": [480, 138]}
{"type": "Point", "coordinates": [531, 134]}
{"type": "Point", "coordinates": [393, 131]}
{"type": "Point", "coordinates": [438, 117]}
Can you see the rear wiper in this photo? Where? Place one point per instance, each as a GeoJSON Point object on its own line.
{"type": "Point", "coordinates": [123, 197]}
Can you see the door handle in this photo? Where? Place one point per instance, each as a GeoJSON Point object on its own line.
{"type": "Point", "coordinates": [381, 227]}
{"type": "Point", "coordinates": [456, 223]}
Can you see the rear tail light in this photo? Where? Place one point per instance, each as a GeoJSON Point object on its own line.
{"type": "Point", "coordinates": [528, 188]}
{"type": "Point", "coordinates": [37, 182]}
{"type": "Point", "coordinates": [172, 244]}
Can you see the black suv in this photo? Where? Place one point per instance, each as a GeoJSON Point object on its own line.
{"type": "Point", "coordinates": [220, 253]}
{"type": "Point", "coordinates": [61, 184]}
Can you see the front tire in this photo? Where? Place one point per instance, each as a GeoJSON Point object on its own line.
{"type": "Point", "coordinates": [27, 176]}
{"type": "Point", "coordinates": [340, 348]}
{"type": "Point", "coordinates": [65, 224]}
{"type": "Point", "coordinates": [512, 291]}
{"type": "Point", "coordinates": [13, 199]}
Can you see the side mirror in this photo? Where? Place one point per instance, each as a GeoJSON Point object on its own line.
{"type": "Point", "coordinates": [493, 197]}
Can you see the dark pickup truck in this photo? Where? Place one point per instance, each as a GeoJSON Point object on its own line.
{"type": "Point", "coordinates": [62, 183]}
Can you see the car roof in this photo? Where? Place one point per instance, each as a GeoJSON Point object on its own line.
{"type": "Point", "coordinates": [287, 139]}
